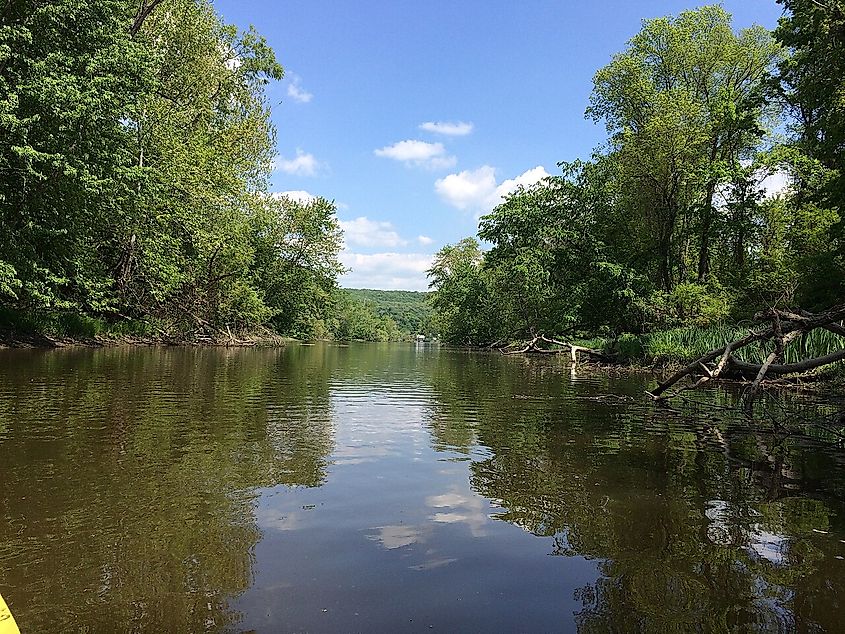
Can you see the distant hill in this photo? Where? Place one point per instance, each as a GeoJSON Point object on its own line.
{"type": "Point", "coordinates": [409, 309]}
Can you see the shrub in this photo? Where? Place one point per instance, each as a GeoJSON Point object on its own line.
{"type": "Point", "coordinates": [630, 347]}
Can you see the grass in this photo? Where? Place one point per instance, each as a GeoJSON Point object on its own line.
{"type": "Point", "coordinates": [687, 344]}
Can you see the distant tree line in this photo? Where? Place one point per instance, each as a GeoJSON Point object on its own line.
{"type": "Point", "coordinates": [409, 309]}
{"type": "Point", "coordinates": [719, 191]}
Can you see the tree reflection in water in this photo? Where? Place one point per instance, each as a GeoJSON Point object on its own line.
{"type": "Point", "coordinates": [691, 533]}
{"type": "Point", "coordinates": [130, 507]}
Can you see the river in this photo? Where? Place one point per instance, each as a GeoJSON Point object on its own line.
{"type": "Point", "coordinates": [388, 488]}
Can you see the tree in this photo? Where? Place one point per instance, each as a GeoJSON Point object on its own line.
{"type": "Point", "coordinates": [69, 74]}
{"type": "Point", "coordinates": [461, 295]}
{"type": "Point", "coordinates": [812, 77]}
{"type": "Point", "coordinates": [202, 146]}
{"type": "Point", "coordinates": [811, 84]}
{"type": "Point", "coordinates": [134, 176]}
{"type": "Point", "coordinates": [296, 265]}
{"type": "Point", "coordinates": [683, 103]}
{"type": "Point", "coordinates": [550, 266]}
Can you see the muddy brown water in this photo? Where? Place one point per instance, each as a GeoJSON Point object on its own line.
{"type": "Point", "coordinates": [388, 488]}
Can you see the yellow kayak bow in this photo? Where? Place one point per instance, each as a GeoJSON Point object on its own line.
{"type": "Point", "coordinates": [7, 621]}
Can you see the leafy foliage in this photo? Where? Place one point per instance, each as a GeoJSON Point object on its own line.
{"type": "Point", "coordinates": [672, 224]}
{"type": "Point", "coordinates": [133, 175]}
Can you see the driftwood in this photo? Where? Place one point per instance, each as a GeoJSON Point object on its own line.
{"type": "Point", "coordinates": [539, 345]}
{"type": "Point", "coordinates": [784, 327]}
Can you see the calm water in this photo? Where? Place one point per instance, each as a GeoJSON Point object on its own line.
{"type": "Point", "coordinates": [392, 488]}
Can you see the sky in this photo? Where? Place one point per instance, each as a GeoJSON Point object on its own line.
{"type": "Point", "coordinates": [416, 117]}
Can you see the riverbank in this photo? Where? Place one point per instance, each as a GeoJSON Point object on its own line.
{"type": "Point", "coordinates": [810, 359]}
{"type": "Point", "coordinates": [40, 340]}
{"type": "Point", "coordinates": [59, 330]}
{"type": "Point", "coordinates": [8, 340]}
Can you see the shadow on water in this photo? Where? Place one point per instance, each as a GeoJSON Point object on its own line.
{"type": "Point", "coordinates": [385, 488]}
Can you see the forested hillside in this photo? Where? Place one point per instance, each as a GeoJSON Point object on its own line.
{"type": "Point", "coordinates": [718, 192]}
{"type": "Point", "coordinates": [409, 309]}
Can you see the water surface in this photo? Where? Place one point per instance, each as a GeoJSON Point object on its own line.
{"type": "Point", "coordinates": [391, 488]}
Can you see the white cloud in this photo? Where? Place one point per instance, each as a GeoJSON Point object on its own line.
{"type": "Point", "coordinates": [470, 189]}
{"type": "Point", "coordinates": [398, 535]}
{"type": "Point", "coordinates": [370, 233]}
{"type": "Point", "coordinates": [419, 153]}
{"type": "Point", "coordinates": [477, 190]}
{"type": "Point", "coordinates": [386, 271]}
{"type": "Point", "coordinates": [447, 128]}
{"type": "Point", "coordinates": [526, 179]}
{"type": "Point", "coordinates": [424, 240]}
{"type": "Point", "coordinates": [297, 195]}
{"type": "Point", "coordinates": [296, 91]}
{"type": "Point", "coordinates": [301, 165]}
{"type": "Point", "coordinates": [469, 509]}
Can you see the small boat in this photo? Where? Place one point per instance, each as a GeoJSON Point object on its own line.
{"type": "Point", "coordinates": [7, 621]}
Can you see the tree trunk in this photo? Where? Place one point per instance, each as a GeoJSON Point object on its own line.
{"type": "Point", "coordinates": [663, 251]}
{"type": "Point", "coordinates": [707, 219]}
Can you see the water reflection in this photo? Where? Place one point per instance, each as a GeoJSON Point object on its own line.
{"type": "Point", "coordinates": [295, 489]}
{"type": "Point", "coordinates": [126, 487]}
{"type": "Point", "coordinates": [690, 534]}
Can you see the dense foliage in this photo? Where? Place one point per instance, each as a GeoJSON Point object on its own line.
{"type": "Point", "coordinates": [676, 220]}
{"type": "Point", "coordinates": [136, 151]}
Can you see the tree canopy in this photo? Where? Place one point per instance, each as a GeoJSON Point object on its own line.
{"type": "Point", "coordinates": [675, 220]}
{"type": "Point", "coordinates": [134, 173]}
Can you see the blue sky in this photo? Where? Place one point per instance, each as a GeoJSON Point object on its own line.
{"type": "Point", "coordinates": [416, 116]}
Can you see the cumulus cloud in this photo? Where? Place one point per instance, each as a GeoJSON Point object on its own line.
{"type": "Point", "coordinates": [418, 153]}
{"type": "Point", "coordinates": [296, 91]}
{"type": "Point", "coordinates": [301, 165]}
{"type": "Point", "coordinates": [424, 240]}
{"type": "Point", "coordinates": [297, 195]}
{"type": "Point", "coordinates": [448, 128]}
{"type": "Point", "coordinates": [470, 189]}
{"type": "Point", "coordinates": [386, 271]}
{"type": "Point", "coordinates": [477, 190]}
{"type": "Point", "coordinates": [468, 509]}
{"type": "Point", "coordinates": [371, 233]}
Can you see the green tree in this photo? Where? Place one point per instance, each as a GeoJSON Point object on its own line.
{"type": "Point", "coordinates": [550, 268]}
{"type": "Point", "coordinates": [683, 103]}
{"type": "Point", "coordinates": [70, 72]}
{"type": "Point", "coordinates": [461, 294]}
{"type": "Point", "coordinates": [295, 266]}
{"type": "Point", "coordinates": [811, 83]}
{"type": "Point", "coordinates": [134, 171]}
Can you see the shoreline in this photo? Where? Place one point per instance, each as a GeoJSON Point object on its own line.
{"type": "Point", "coordinates": [31, 341]}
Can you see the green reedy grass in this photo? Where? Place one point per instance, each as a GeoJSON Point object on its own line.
{"type": "Point", "coordinates": [596, 343]}
{"type": "Point", "coordinates": [687, 344]}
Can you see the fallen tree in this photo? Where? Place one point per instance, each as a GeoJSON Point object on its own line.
{"type": "Point", "coordinates": [784, 327]}
{"type": "Point", "coordinates": [540, 344]}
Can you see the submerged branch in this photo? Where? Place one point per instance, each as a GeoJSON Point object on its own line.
{"type": "Point", "coordinates": [536, 346]}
